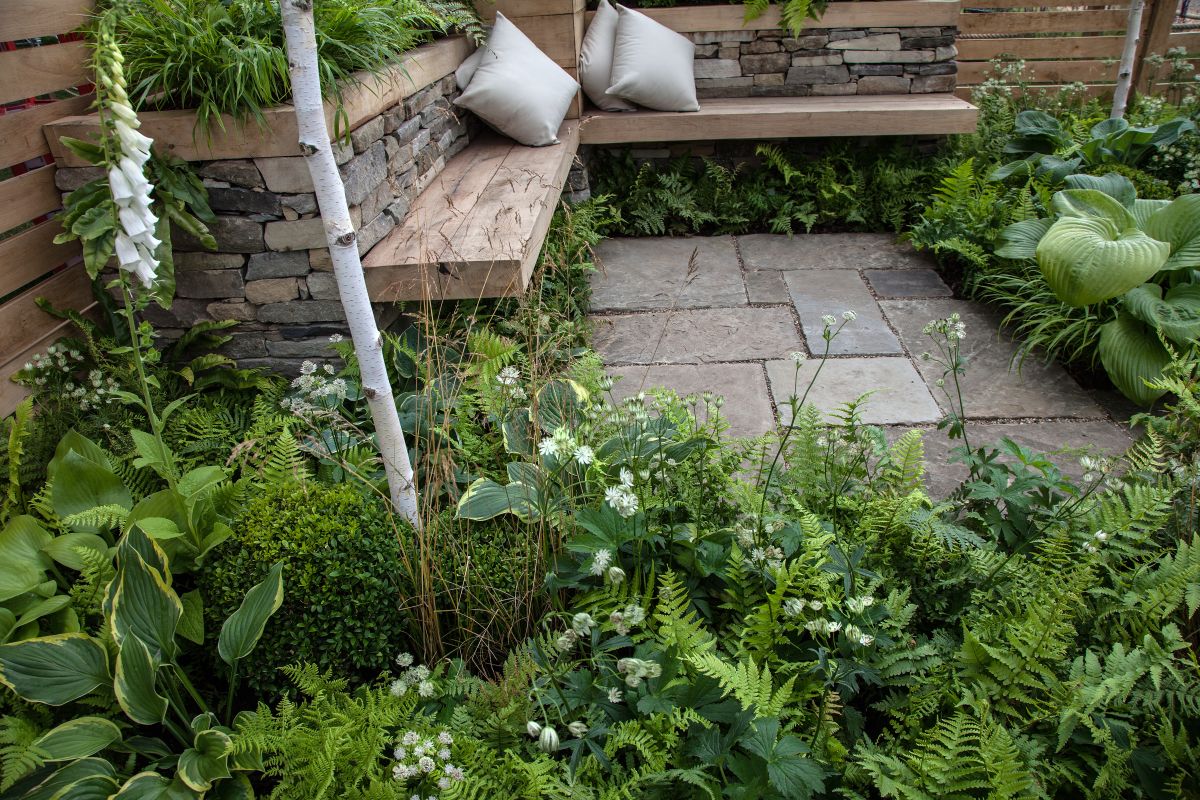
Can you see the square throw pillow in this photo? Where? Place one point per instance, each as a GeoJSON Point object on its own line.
{"type": "Point", "coordinates": [652, 64]}
{"type": "Point", "coordinates": [518, 89]}
{"type": "Point", "coordinates": [596, 60]}
{"type": "Point", "coordinates": [466, 70]}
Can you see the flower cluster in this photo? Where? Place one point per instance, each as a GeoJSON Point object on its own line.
{"type": "Point", "coordinates": [627, 619]}
{"type": "Point", "coordinates": [418, 676]}
{"type": "Point", "coordinates": [135, 243]}
{"type": "Point", "coordinates": [952, 327]}
{"type": "Point", "coordinates": [426, 760]}
{"type": "Point", "coordinates": [636, 670]}
{"type": "Point", "coordinates": [58, 368]}
{"type": "Point", "coordinates": [621, 497]}
{"type": "Point", "coordinates": [1098, 540]}
{"type": "Point", "coordinates": [315, 389]}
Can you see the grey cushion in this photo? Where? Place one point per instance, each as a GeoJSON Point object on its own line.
{"type": "Point", "coordinates": [596, 57]}
{"type": "Point", "coordinates": [652, 64]}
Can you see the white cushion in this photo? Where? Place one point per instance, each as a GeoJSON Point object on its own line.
{"type": "Point", "coordinates": [652, 64]}
{"type": "Point", "coordinates": [596, 58]}
{"type": "Point", "coordinates": [466, 70]}
{"type": "Point", "coordinates": [518, 89]}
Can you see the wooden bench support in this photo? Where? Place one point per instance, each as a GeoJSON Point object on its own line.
{"type": "Point", "coordinates": [477, 229]}
{"type": "Point", "coordinates": [786, 118]}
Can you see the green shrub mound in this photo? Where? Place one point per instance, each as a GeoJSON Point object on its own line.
{"type": "Point", "coordinates": [342, 561]}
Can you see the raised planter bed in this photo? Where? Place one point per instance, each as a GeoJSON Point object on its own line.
{"type": "Point", "coordinates": [175, 131]}
{"type": "Point", "coordinates": [866, 14]}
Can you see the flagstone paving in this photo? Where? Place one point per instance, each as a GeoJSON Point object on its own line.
{"type": "Point", "coordinates": [724, 314]}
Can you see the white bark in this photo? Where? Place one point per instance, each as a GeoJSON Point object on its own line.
{"type": "Point", "coordinates": [298, 31]}
{"type": "Point", "coordinates": [1133, 32]}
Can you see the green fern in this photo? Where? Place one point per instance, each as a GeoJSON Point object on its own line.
{"type": "Point", "coordinates": [753, 688]}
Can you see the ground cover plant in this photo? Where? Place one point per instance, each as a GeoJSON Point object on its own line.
{"type": "Point", "coordinates": [204, 593]}
{"type": "Point", "coordinates": [1035, 156]}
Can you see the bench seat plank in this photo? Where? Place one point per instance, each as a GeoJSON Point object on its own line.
{"type": "Point", "coordinates": [786, 118]}
{"type": "Point", "coordinates": [477, 229]}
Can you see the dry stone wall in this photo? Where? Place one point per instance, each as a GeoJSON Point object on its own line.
{"type": "Point", "coordinates": [769, 63]}
{"type": "Point", "coordinates": [271, 271]}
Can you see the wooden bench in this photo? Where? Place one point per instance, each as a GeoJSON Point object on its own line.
{"type": "Point", "coordinates": [477, 229]}
{"type": "Point", "coordinates": [786, 118]}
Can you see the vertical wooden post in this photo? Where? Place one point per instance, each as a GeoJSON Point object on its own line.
{"type": "Point", "coordinates": [1133, 33]}
{"type": "Point", "coordinates": [1155, 35]}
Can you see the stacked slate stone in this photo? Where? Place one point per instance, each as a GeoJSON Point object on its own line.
{"type": "Point", "coordinates": [769, 63]}
{"type": "Point", "coordinates": [271, 271]}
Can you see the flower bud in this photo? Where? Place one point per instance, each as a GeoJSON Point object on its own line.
{"type": "Point", "coordinates": [578, 729]}
{"type": "Point", "coordinates": [548, 740]}
{"type": "Point", "coordinates": [616, 574]}
{"type": "Point", "coordinates": [533, 729]}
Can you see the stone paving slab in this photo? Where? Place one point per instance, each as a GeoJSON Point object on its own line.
{"type": "Point", "coordinates": [696, 336]}
{"type": "Point", "coordinates": [900, 396]}
{"type": "Point", "coordinates": [766, 286]}
{"type": "Point", "coordinates": [990, 389]}
{"type": "Point", "coordinates": [906, 283]}
{"type": "Point", "coordinates": [819, 251]}
{"type": "Point", "coordinates": [747, 408]}
{"type": "Point", "coordinates": [1100, 436]}
{"type": "Point", "coordinates": [638, 274]}
{"type": "Point", "coordinates": [820, 292]}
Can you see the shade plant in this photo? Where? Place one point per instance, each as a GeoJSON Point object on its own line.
{"type": "Point", "coordinates": [1103, 242]}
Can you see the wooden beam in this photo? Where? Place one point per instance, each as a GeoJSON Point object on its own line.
{"type": "Point", "coordinates": [514, 9]}
{"type": "Point", "coordinates": [21, 136]}
{"type": "Point", "coordinates": [31, 254]}
{"type": "Point", "coordinates": [27, 197]}
{"type": "Point", "coordinates": [34, 71]}
{"type": "Point", "coordinates": [1057, 47]}
{"type": "Point", "coordinates": [1063, 4]}
{"type": "Point", "coordinates": [894, 13]}
{"type": "Point", "coordinates": [28, 19]}
{"type": "Point", "coordinates": [1156, 32]}
{"type": "Point", "coordinates": [786, 118]}
{"type": "Point", "coordinates": [175, 132]}
{"type": "Point", "coordinates": [973, 72]}
{"type": "Point", "coordinates": [22, 323]}
{"type": "Point", "coordinates": [1021, 22]}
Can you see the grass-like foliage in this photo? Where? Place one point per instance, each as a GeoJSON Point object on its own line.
{"type": "Point", "coordinates": [228, 57]}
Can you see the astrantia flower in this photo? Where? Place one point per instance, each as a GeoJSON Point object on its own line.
{"type": "Point", "coordinates": [616, 574]}
{"type": "Point", "coordinates": [404, 660]}
{"type": "Point", "coordinates": [578, 729]}
{"type": "Point", "coordinates": [793, 607]}
{"type": "Point", "coordinates": [584, 454]}
{"type": "Point", "coordinates": [849, 315]}
{"type": "Point", "coordinates": [626, 478]}
{"type": "Point", "coordinates": [425, 689]}
{"type": "Point", "coordinates": [508, 376]}
{"type": "Point", "coordinates": [548, 740]}
{"type": "Point", "coordinates": [829, 320]}
{"type": "Point", "coordinates": [615, 695]}
{"type": "Point", "coordinates": [548, 446]}
{"type": "Point", "coordinates": [582, 623]}
{"type": "Point", "coordinates": [799, 357]}
{"type": "Point", "coordinates": [600, 561]}
{"type": "Point", "coordinates": [533, 729]}
{"type": "Point", "coordinates": [445, 738]}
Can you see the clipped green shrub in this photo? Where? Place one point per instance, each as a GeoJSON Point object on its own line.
{"type": "Point", "coordinates": [346, 585]}
{"type": "Point", "coordinates": [1148, 187]}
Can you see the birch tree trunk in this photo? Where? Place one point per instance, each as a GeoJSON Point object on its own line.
{"type": "Point", "coordinates": [1133, 33]}
{"type": "Point", "coordinates": [298, 31]}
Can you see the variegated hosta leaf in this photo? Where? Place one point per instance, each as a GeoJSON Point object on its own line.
{"type": "Point", "coordinates": [1177, 315]}
{"type": "Point", "coordinates": [1132, 354]}
{"type": "Point", "coordinates": [1179, 225]}
{"type": "Point", "coordinates": [1089, 259]}
{"type": "Point", "coordinates": [1118, 187]}
{"type": "Point", "coordinates": [1092, 203]}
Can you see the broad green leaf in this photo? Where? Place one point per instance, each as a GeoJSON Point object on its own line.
{"type": "Point", "coordinates": [1179, 225]}
{"type": "Point", "coordinates": [1144, 209]}
{"type": "Point", "coordinates": [206, 761]}
{"type": "Point", "coordinates": [22, 563]}
{"type": "Point", "coordinates": [1177, 315]}
{"type": "Point", "coordinates": [1019, 241]}
{"type": "Point", "coordinates": [73, 441]}
{"type": "Point", "coordinates": [44, 608]}
{"type": "Point", "coordinates": [200, 480]}
{"type": "Point", "coordinates": [1132, 354]}
{"type": "Point", "coordinates": [88, 151]}
{"type": "Point", "coordinates": [54, 669]}
{"type": "Point", "coordinates": [242, 630]}
{"type": "Point", "coordinates": [1118, 187]}
{"type": "Point", "coordinates": [135, 684]}
{"type": "Point", "coordinates": [484, 499]}
{"type": "Point", "coordinates": [153, 453]}
{"type": "Point", "coordinates": [148, 786]}
{"type": "Point", "coordinates": [191, 624]}
{"type": "Point", "coordinates": [1088, 203]}
{"type": "Point", "coordinates": [1109, 127]}
{"type": "Point", "coordinates": [558, 404]}
{"type": "Point", "coordinates": [143, 605]}
{"type": "Point", "coordinates": [1088, 259]}
{"type": "Point", "coordinates": [159, 528]}
{"type": "Point", "coordinates": [81, 485]}
{"type": "Point", "coordinates": [65, 549]}
{"type": "Point", "coordinates": [77, 738]}
{"type": "Point", "coordinates": [237, 787]}
{"type": "Point", "coordinates": [8, 621]}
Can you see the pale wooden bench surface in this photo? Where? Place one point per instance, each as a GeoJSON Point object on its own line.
{"type": "Point", "coordinates": [477, 229]}
{"type": "Point", "coordinates": [786, 118]}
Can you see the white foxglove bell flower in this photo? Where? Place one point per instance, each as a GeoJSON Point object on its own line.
{"type": "Point", "coordinates": [127, 252]}
{"type": "Point", "coordinates": [122, 192]}
{"type": "Point", "coordinates": [131, 140]}
{"type": "Point", "coordinates": [136, 175]}
{"type": "Point", "coordinates": [133, 222]}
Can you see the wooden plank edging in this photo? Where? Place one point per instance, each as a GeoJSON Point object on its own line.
{"type": "Point", "coordinates": [175, 132]}
{"type": "Point", "coordinates": [876, 14]}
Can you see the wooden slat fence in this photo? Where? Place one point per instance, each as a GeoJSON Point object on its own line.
{"type": "Point", "coordinates": [1063, 42]}
{"type": "Point", "coordinates": [43, 77]}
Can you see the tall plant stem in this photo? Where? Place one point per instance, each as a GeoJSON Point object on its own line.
{"type": "Point", "coordinates": [1133, 32]}
{"type": "Point", "coordinates": [300, 38]}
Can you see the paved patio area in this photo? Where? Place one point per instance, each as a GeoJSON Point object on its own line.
{"type": "Point", "coordinates": [725, 313]}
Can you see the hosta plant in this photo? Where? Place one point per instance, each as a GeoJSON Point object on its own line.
{"type": "Point", "coordinates": [1102, 243]}
{"type": "Point", "coordinates": [170, 742]}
